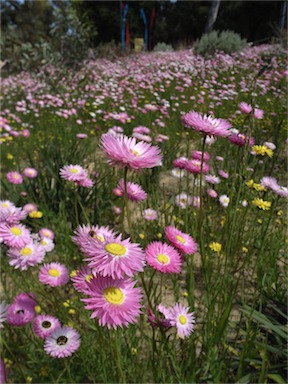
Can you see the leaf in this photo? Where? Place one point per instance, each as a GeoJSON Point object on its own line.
{"type": "Point", "coordinates": [277, 378]}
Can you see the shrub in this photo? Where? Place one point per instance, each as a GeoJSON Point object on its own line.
{"type": "Point", "coordinates": [163, 47]}
{"type": "Point", "coordinates": [226, 41]}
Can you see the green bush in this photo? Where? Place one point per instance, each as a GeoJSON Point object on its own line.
{"type": "Point", "coordinates": [226, 41]}
{"type": "Point", "coordinates": [163, 47]}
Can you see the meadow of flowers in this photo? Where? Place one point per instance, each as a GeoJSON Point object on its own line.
{"type": "Point", "coordinates": [143, 220]}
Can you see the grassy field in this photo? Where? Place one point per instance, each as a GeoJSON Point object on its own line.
{"type": "Point", "coordinates": [222, 315]}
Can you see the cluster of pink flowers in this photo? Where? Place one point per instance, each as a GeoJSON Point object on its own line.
{"type": "Point", "coordinates": [59, 341]}
{"type": "Point", "coordinates": [77, 174]}
{"type": "Point", "coordinates": [108, 277]}
{"type": "Point", "coordinates": [24, 248]}
{"type": "Point", "coordinates": [15, 177]}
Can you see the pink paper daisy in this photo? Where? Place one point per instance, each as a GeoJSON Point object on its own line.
{"type": "Point", "coordinates": [149, 214]}
{"type": "Point", "coordinates": [123, 151]}
{"type": "Point", "coordinates": [30, 207]}
{"type": "Point", "coordinates": [240, 139]}
{"type": "Point", "coordinates": [212, 179]}
{"type": "Point", "coordinates": [31, 173]}
{"type": "Point", "coordinates": [10, 214]}
{"type": "Point", "coordinates": [114, 302]}
{"type": "Point", "coordinates": [194, 166]}
{"type": "Point", "coordinates": [46, 232]}
{"type": "Point", "coordinates": [134, 191]}
{"type": "Point", "coordinates": [44, 325]}
{"type": "Point", "coordinates": [182, 320]}
{"type": "Point", "coordinates": [81, 279]}
{"type": "Point", "coordinates": [183, 200]}
{"type": "Point", "coordinates": [206, 124]}
{"type": "Point", "coordinates": [180, 162]}
{"type": "Point", "coordinates": [86, 236]}
{"type": "Point", "coordinates": [163, 257]}
{"type": "Point", "coordinates": [22, 310]}
{"type": "Point", "coordinates": [181, 240]}
{"type": "Point", "coordinates": [116, 258]}
{"type": "Point", "coordinates": [54, 274]}
{"type": "Point", "coordinates": [73, 173]}
{"type": "Point", "coordinates": [198, 155]}
{"type": "Point", "coordinates": [224, 200]}
{"type": "Point", "coordinates": [269, 183]}
{"type": "Point", "coordinates": [62, 342]}
{"type": "Point", "coordinates": [14, 178]}
{"type": "Point", "coordinates": [16, 235]}
{"type": "Point", "coordinates": [47, 244]}
{"type": "Point", "coordinates": [223, 174]}
{"type": "Point", "coordinates": [28, 256]}
{"type": "Point", "coordinates": [212, 193]}
{"type": "Point", "coordinates": [245, 108]}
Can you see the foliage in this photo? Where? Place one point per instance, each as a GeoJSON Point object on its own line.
{"type": "Point", "coordinates": [162, 47]}
{"type": "Point", "coordinates": [226, 41]}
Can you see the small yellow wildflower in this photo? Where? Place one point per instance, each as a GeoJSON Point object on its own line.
{"type": "Point", "coordinates": [279, 213]}
{"type": "Point", "coordinates": [244, 249]}
{"type": "Point", "coordinates": [9, 156]}
{"type": "Point", "coordinates": [66, 303]}
{"type": "Point", "coordinates": [222, 222]}
{"type": "Point", "coordinates": [250, 183]}
{"type": "Point", "coordinates": [159, 235]}
{"type": "Point", "coordinates": [29, 379]}
{"type": "Point", "coordinates": [134, 351]}
{"type": "Point", "coordinates": [43, 371]}
{"type": "Point", "coordinates": [259, 221]}
{"type": "Point", "coordinates": [216, 247]}
{"type": "Point", "coordinates": [141, 235]}
{"type": "Point", "coordinates": [73, 273]}
{"type": "Point", "coordinates": [259, 187]}
{"type": "Point", "coordinates": [185, 294]}
{"type": "Point", "coordinates": [37, 308]}
{"type": "Point", "coordinates": [36, 214]}
{"type": "Point", "coordinates": [8, 363]}
{"type": "Point", "coordinates": [262, 150]}
{"type": "Point", "coordinates": [71, 311]}
{"type": "Point", "coordinates": [262, 204]}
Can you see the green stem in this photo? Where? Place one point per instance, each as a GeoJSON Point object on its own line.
{"type": "Point", "coordinates": [117, 357]}
{"type": "Point", "coordinates": [127, 204]}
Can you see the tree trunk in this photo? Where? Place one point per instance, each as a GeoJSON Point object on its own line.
{"type": "Point", "coordinates": [212, 15]}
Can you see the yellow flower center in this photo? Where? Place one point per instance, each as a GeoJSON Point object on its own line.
{"type": "Point", "coordinates": [4, 205]}
{"type": "Point", "coordinates": [54, 272]}
{"type": "Point", "coordinates": [43, 242]}
{"type": "Point", "coordinates": [115, 249]}
{"type": "Point", "coordinates": [16, 231]}
{"type": "Point", "coordinates": [26, 251]}
{"type": "Point", "coordinates": [180, 238]}
{"type": "Point", "coordinates": [136, 153]}
{"type": "Point", "coordinates": [182, 319]}
{"type": "Point", "coordinates": [16, 177]}
{"type": "Point", "coordinates": [73, 170]}
{"type": "Point", "coordinates": [88, 278]}
{"type": "Point", "coordinates": [114, 295]}
{"type": "Point", "coordinates": [182, 200]}
{"type": "Point", "coordinates": [163, 259]}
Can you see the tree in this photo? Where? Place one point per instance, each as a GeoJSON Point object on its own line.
{"type": "Point", "coordinates": [212, 15]}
